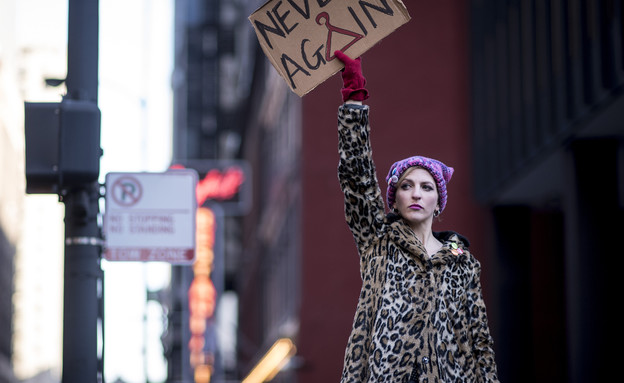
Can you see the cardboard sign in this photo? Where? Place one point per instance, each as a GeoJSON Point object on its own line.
{"type": "Point", "coordinates": [300, 36]}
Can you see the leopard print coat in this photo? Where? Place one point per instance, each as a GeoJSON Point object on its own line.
{"type": "Point", "coordinates": [418, 318]}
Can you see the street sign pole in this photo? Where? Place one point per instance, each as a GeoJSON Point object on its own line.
{"type": "Point", "coordinates": [82, 276]}
{"type": "Point", "coordinates": [83, 239]}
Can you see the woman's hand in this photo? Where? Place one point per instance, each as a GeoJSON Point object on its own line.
{"type": "Point", "coordinates": [353, 80]}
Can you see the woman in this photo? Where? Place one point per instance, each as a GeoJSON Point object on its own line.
{"type": "Point", "coordinates": [420, 316]}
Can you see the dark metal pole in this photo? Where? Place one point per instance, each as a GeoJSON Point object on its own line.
{"type": "Point", "coordinates": [82, 275]}
{"type": "Point", "coordinates": [82, 233]}
{"type": "Point", "coordinates": [82, 50]}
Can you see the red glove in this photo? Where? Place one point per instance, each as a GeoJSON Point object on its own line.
{"type": "Point", "coordinates": [352, 78]}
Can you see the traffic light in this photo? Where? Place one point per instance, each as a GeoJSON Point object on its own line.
{"type": "Point", "coordinates": [61, 139]}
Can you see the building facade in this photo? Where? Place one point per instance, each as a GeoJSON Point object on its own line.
{"type": "Point", "coordinates": [10, 201]}
{"type": "Point", "coordinates": [548, 129]}
{"type": "Point", "coordinates": [211, 82]}
{"type": "Point", "coordinates": [30, 227]}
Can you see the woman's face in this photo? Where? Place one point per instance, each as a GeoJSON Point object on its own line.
{"type": "Point", "coordinates": [416, 196]}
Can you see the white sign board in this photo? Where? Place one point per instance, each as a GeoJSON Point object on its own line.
{"type": "Point", "coordinates": [151, 216]}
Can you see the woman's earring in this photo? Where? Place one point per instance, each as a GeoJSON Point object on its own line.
{"type": "Point", "coordinates": [436, 213]}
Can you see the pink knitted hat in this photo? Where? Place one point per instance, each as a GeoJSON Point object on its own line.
{"type": "Point", "coordinates": [440, 173]}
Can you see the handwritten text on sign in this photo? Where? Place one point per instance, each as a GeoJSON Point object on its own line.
{"type": "Point", "coordinates": [300, 36]}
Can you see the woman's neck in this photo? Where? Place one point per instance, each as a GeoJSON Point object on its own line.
{"type": "Point", "coordinates": [424, 233]}
{"type": "Point", "coordinates": [422, 230]}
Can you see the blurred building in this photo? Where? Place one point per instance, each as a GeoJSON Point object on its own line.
{"type": "Point", "coordinates": [221, 86]}
{"type": "Point", "coordinates": [522, 98]}
{"type": "Point", "coordinates": [30, 227]}
{"type": "Point", "coordinates": [11, 202]}
{"type": "Point", "coordinates": [548, 134]}
{"type": "Point", "coordinates": [211, 81]}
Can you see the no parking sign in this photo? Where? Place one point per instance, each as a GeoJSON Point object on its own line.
{"type": "Point", "coordinates": [151, 216]}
